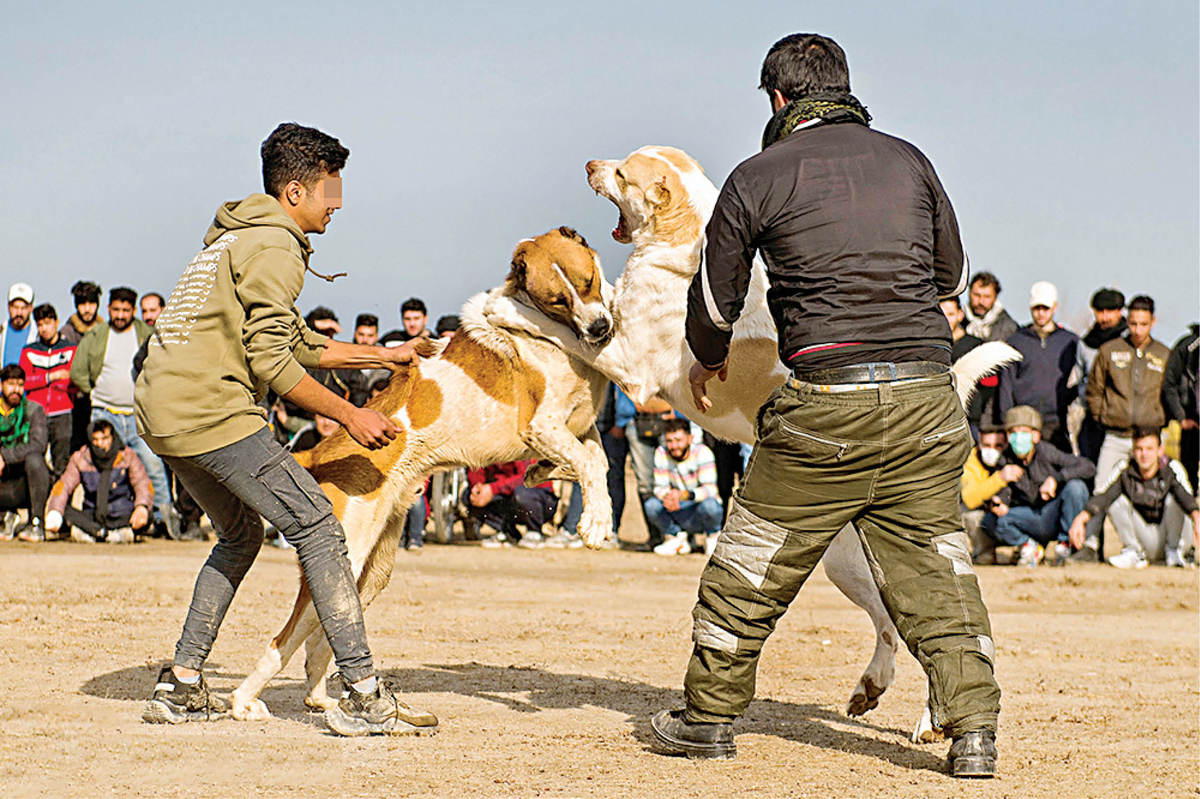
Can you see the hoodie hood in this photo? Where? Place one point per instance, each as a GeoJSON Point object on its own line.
{"type": "Point", "coordinates": [257, 210]}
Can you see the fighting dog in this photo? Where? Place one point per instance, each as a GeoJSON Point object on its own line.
{"type": "Point", "coordinates": [488, 396]}
{"type": "Point", "coordinates": [664, 201]}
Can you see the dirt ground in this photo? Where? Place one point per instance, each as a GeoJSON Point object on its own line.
{"type": "Point", "coordinates": [544, 667]}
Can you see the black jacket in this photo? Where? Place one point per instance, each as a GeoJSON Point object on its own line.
{"type": "Point", "coordinates": [1040, 378]}
{"type": "Point", "coordinates": [1048, 461]}
{"type": "Point", "coordinates": [1179, 393]}
{"type": "Point", "coordinates": [1148, 497]}
{"type": "Point", "coordinates": [859, 242]}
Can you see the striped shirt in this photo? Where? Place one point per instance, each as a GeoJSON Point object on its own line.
{"type": "Point", "coordinates": [697, 473]}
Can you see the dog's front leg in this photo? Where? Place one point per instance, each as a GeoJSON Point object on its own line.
{"type": "Point", "coordinates": [587, 459]}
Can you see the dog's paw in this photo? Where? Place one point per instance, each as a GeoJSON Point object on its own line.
{"type": "Point", "coordinates": [320, 702]}
{"type": "Point", "coordinates": [249, 709]}
{"type": "Point", "coordinates": [594, 530]}
{"type": "Point", "coordinates": [865, 697]}
{"type": "Point", "coordinates": [925, 732]}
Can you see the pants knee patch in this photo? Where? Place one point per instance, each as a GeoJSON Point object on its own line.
{"type": "Point", "coordinates": [748, 544]}
{"type": "Point", "coordinates": [709, 635]}
{"type": "Point", "coordinates": [955, 547]}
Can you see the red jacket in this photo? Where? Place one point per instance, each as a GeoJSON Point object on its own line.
{"type": "Point", "coordinates": [502, 477]}
{"type": "Point", "coordinates": [38, 360]}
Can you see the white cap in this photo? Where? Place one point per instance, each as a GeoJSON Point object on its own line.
{"type": "Point", "coordinates": [20, 291]}
{"type": "Point", "coordinates": [1043, 293]}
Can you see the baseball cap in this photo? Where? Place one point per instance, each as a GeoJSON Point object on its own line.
{"type": "Point", "coordinates": [1043, 293]}
{"type": "Point", "coordinates": [20, 291]}
{"type": "Point", "coordinates": [1108, 300]}
{"type": "Point", "coordinates": [1022, 416]}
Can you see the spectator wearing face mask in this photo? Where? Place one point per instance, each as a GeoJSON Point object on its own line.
{"type": "Point", "coordinates": [982, 479]}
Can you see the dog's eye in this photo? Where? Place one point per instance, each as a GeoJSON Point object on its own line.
{"type": "Point", "coordinates": [559, 300]}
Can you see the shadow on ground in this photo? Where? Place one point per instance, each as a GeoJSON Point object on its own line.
{"type": "Point", "coordinates": [532, 690]}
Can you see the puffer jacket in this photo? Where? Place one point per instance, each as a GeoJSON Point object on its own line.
{"type": "Point", "coordinates": [130, 485]}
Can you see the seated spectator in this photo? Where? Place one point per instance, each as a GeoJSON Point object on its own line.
{"type": "Point", "coordinates": [1038, 506]}
{"type": "Point", "coordinates": [1146, 499]}
{"type": "Point", "coordinates": [1181, 398]}
{"type": "Point", "coordinates": [117, 495]}
{"type": "Point", "coordinates": [47, 366]}
{"type": "Point", "coordinates": [685, 501]}
{"type": "Point", "coordinates": [1042, 378]}
{"type": "Point", "coordinates": [982, 479]}
{"type": "Point", "coordinates": [505, 509]}
{"type": "Point", "coordinates": [413, 318]}
{"type": "Point", "coordinates": [17, 332]}
{"type": "Point", "coordinates": [447, 326]}
{"type": "Point", "coordinates": [24, 478]}
{"type": "Point", "coordinates": [316, 431]}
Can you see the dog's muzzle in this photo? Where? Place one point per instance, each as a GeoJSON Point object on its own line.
{"type": "Point", "coordinates": [600, 330]}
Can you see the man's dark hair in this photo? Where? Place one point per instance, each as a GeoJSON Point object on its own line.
{"type": "Point", "coordinates": [414, 304]}
{"type": "Point", "coordinates": [366, 320]}
{"type": "Point", "coordinates": [955, 300]}
{"type": "Point", "coordinates": [1107, 299]}
{"type": "Point", "coordinates": [986, 279]}
{"type": "Point", "coordinates": [803, 64]}
{"type": "Point", "coordinates": [122, 294]}
{"type": "Point", "coordinates": [157, 296]}
{"type": "Point", "coordinates": [44, 311]}
{"type": "Point", "coordinates": [447, 323]}
{"type": "Point", "coordinates": [101, 426]}
{"type": "Point", "coordinates": [1146, 432]}
{"type": "Point", "coordinates": [677, 424]}
{"type": "Point", "coordinates": [85, 291]}
{"type": "Point", "coordinates": [12, 372]}
{"type": "Point", "coordinates": [1142, 303]}
{"type": "Point", "coordinates": [319, 314]}
{"type": "Point", "coordinates": [294, 152]}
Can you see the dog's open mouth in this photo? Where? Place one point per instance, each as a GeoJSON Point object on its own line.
{"type": "Point", "coordinates": [621, 231]}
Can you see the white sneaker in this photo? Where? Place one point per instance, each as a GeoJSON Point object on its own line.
{"type": "Point", "coordinates": [710, 543]}
{"type": "Point", "coordinates": [81, 536]}
{"type": "Point", "coordinates": [1129, 559]}
{"type": "Point", "coordinates": [531, 539]}
{"type": "Point", "coordinates": [121, 535]}
{"type": "Point", "coordinates": [1174, 557]}
{"type": "Point", "coordinates": [1062, 551]}
{"type": "Point", "coordinates": [674, 545]}
{"type": "Point", "coordinates": [1031, 554]}
{"type": "Point", "coordinates": [8, 525]}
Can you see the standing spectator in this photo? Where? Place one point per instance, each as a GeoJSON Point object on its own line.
{"type": "Point", "coordinates": [507, 509]}
{"type": "Point", "coordinates": [103, 368]}
{"type": "Point", "coordinates": [963, 342]}
{"type": "Point", "coordinates": [152, 305]}
{"type": "Point", "coordinates": [447, 326]}
{"type": "Point", "coordinates": [324, 321]}
{"type": "Point", "coordinates": [116, 491]}
{"type": "Point", "coordinates": [986, 317]}
{"type": "Point", "coordinates": [1038, 506]}
{"type": "Point", "coordinates": [1146, 501]}
{"type": "Point", "coordinates": [86, 295]}
{"type": "Point", "coordinates": [731, 466]}
{"type": "Point", "coordinates": [685, 500]}
{"type": "Point", "coordinates": [1041, 378]}
{"type": "Point", "coordinates": [611, 423]}
{"type": "Point", "coordinates": [413, 317]}
{"type": "Point", "coordinates": [358, 381]}
{"type": "Point", "coordinates": [18, 331]}
{"type": "Point", "coordinates": [643, 434]}
{"type": "Point", "coordinates": [24, 478]}
{"type": "Point", "coordinates": [983, 477]}
{"type": "Point", "coordinates": [1108, 309]}
{"type": "Point", "coordinates": [1124, 389]}
{"type": "Point", "coordinates": [1180, 399]}
{"type": "Point", "coordinates": [47, 367]}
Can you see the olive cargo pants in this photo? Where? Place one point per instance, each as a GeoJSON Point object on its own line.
{"type": "Point", "coordinates": [887, 458]}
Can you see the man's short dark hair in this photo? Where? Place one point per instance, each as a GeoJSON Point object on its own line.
{"type": "Point", "coordinates": [12, 372]}
{"type": "Point", "coordinates": [986, 279]}
{"type": "Point", "coordinates": [446, 324]}
{"type": "Point", "coordinates": [803, 64]}
{"type": "Point", "coordinates": [366, 320]}
{"type": "Point", "coordinates": [294, 152]}
{"type": "Point", "coordinates": [413, 304]}
{"type": "Point", "coordinates": [676, 424]}
{"type": "Point", "coordinates": [155, 295]}
{"type": "Point", "coordinates": [122, 294]}
{"type": "Point", "coordinates": [1142, 303]}
{"type": "Point", "coordinates": [101, 426]}
{"type": "Point", "coordinates": [44, 311]}
{"type": "Point", "coordinates": [85, 291]}
{"type": "Point", "coordinates": [319, 314]}
{"type": "Point", "coordinates": [955, 300]}
{"type": "Point", "coordinates": [1146, 432]}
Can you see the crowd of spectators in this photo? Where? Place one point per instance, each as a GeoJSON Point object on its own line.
{"type": "Point", "coordinates": [1069, 435]}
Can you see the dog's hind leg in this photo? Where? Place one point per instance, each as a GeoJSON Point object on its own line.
{"type": "Point", "coordinates": [246, 706]}
{"type": "Point", "coordinates": [847, 568]}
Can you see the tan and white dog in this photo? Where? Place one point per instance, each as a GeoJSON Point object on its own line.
{"type": "Point", "coordinates": [664, 200]}
{"type": "Point", "coordinates": [488, 396]}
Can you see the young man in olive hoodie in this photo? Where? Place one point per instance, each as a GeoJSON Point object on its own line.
{"type": "Point", "coordinates": [229, 332]}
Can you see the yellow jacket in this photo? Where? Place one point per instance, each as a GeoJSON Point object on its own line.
{"type": "Point", "coordinates": [979, 484]}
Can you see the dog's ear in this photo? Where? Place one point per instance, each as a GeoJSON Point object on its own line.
{"type": "Point", "coordinates": [572, 233]}
{"type": "Point", "coordinates": [658, 193]}
{"type": "Point", "coordinates": [516, 274]}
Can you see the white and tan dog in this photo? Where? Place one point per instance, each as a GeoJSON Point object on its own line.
{"type": "Point", "coordinates": [665, 200]}
{"type": "Point", "coordinates": [489, 396]}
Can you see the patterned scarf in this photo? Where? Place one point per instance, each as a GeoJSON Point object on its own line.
{"type": "Point", "coordinates": [830, 107]}
{"type": "Point", "coordinates": [14, 428]}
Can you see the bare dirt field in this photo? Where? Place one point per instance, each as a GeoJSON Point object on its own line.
{"type": "Point", "coordinates": [544, 667]}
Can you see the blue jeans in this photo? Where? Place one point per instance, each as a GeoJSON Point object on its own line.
{"type": "Point", "coordinates": [1045, 524]}
{"type": "Point", "coordinates": [693, 517]}
{"type": "Point", "coordinates": [126, 427]}
{"type": "Point", "coordinates": [414, 523]}
{"type": "Point", "coordinates": [570, 523]}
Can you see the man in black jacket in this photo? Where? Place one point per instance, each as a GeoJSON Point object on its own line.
{"type": "Point", "coordinates": [860, 242]}
{"type": "Point", "coordinates": [1181, 386]}
{"type": "Point", "coordinates": [1038, 507]}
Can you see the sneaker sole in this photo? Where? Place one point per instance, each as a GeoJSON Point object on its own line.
{"type": "Point", "coordinates": [973, 767]}
{"type": "Point", "coordinates": [691, 749]}
{"type": "Point", "coordinates": [349, 727]}
{"type": "Point", "coordinates": [157, 712]}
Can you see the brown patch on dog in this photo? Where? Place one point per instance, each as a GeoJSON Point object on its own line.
{"type": "Point", "coordinates": [675, 221]}
{"type": "Point", "coordinates": [486, 368]}
{"type": "Point", "coordinates": [424, 404]}
{"type": "Point", "coordinates": [355, 475]}
{"type": "Point", "coordinates": [679, 159]}
{"type": "Point", "coordinates": [533, 272]}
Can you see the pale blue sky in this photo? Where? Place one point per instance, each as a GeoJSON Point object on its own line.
{"type": "Point", "coordinates": [1065, 133]}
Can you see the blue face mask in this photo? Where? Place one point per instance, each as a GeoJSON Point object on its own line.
{"type": "Point", "coordinates": [1021, 443]}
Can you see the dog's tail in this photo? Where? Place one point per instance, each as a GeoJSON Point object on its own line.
{"type": "Point", "coordinates": [982, 361]}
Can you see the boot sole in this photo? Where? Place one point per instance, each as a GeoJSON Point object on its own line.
{"type": "Point", "coordinates": [157, 712]}
{"type": "Point", "coordinates": [350, 727]}
{"type": "Point", "coordinates": [691, 749]}
{"type": "Point", "coordinates": [973, 767]}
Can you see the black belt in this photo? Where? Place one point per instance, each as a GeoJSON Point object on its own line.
{"type": "Point", "coordinates": [882, 372]}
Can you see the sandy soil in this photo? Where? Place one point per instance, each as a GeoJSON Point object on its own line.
{"type": "Point", "coordinates": [544, 667]}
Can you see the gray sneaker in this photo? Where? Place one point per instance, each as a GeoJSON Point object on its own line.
{"type": "Point", "coordinates": [175, 702]}
{"type": "Point", "coordinates": [380, 713]}
{"type": "Point", "coordinates": [8, 525]}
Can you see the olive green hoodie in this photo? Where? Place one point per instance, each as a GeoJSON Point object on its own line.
{"type": "Point", "coordinates": [230, 331]}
